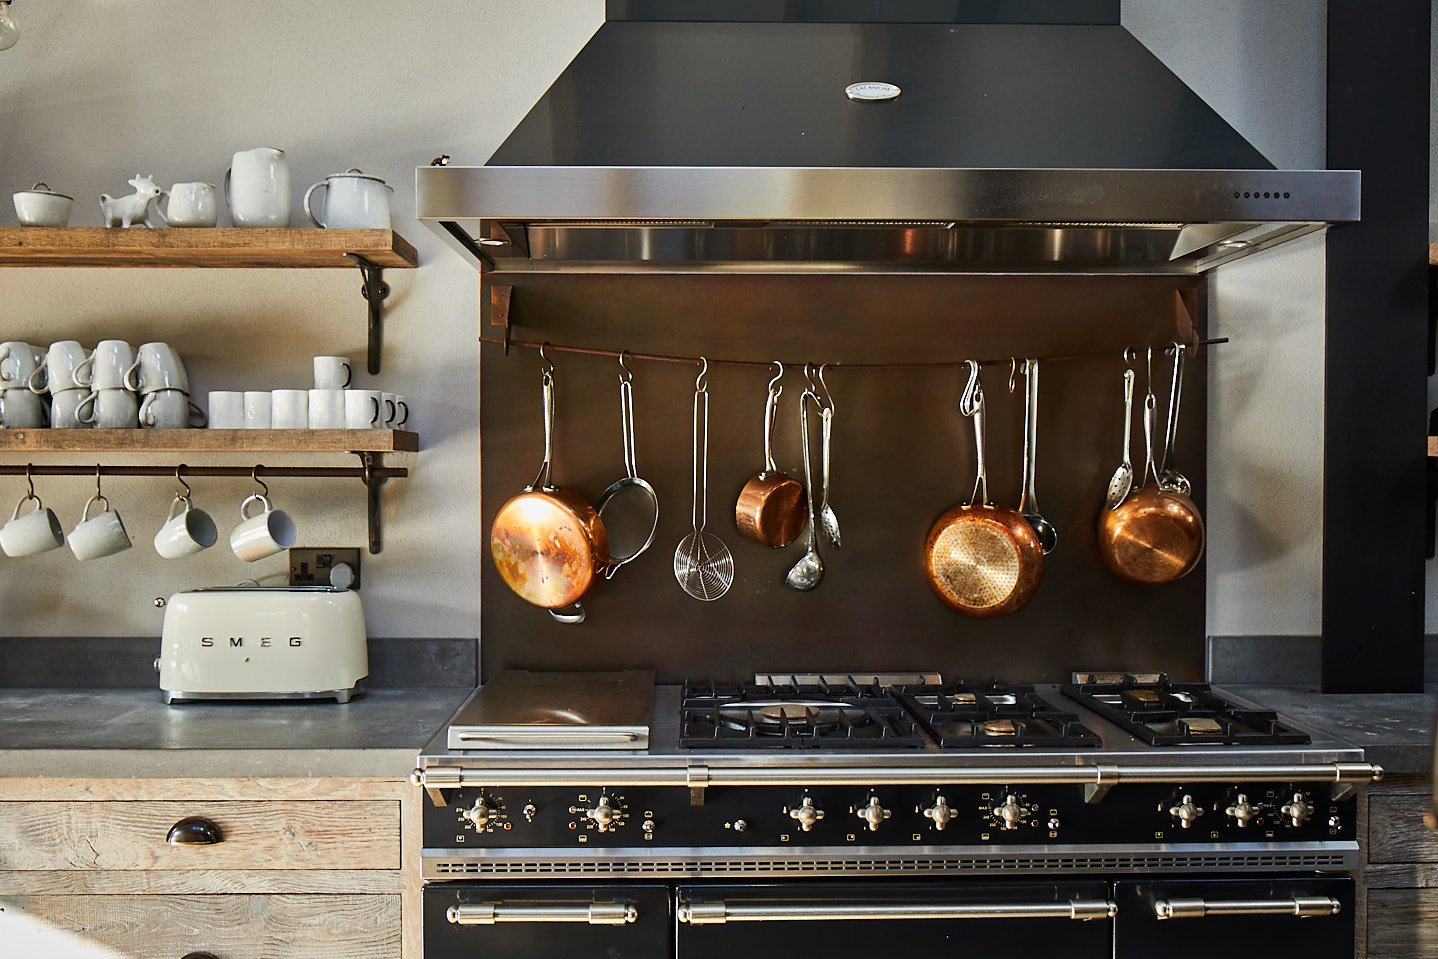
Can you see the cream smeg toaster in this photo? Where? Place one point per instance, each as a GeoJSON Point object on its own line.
{"type": "Point", "coordinates": [237, 642]}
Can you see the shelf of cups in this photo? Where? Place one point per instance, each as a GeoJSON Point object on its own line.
{"type": "Point", "coordinates": [207, 441]}
{"type": "Point", "coordinates": [208, 248]}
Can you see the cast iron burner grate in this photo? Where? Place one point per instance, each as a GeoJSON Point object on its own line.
{"type": "Point", "coordinates": [798, 715]}
{"type": "Point", "coordinates": [1164, 713]}
{"type": "Point", "coordinates": [963, 715]}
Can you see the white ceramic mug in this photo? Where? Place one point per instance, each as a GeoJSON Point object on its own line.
{"type": "Point", "coordinates": [189, 204]}
{"type": "Point", "coordinates": [106, 365]}
{"type": "Point", "coordinates": [170, 410]}
{"type": "Point", "coordinates": [157, 367]}
{"type": "Point", "coordinates": [327, 409]}
{"type": "Point", "coordinates": [100, 535]}
{"type": "Point", "coordinates": [363, 409]}
{"type": "Point", "coordinates": [110, 409]}
{"type": "Point", "coordinates": [396, 410]}
{"type": "Point", "coordinates": [257, 188]}
{"type": "Point", "coordinates": [186, 532]}
{"type": "Point", "coordinates": [38, 531]}
{"type": "Point", "coordinates": [58, 367]}
{"type": "Point", "coordinates": [40, 206]}
{"type": "Point", "coordinates": [227, 410]}
{"type": "Point", "coordinates": [17, 365]}
{"type": "Point", "coordinates": [65, 410]}
{"type": "Point", "coordinates": [289, 409]}
{"type": "Point", "coordinates": [353, 201]}
{"type": "Point", "coordinates": [257, 410]}
{"type": "Point", "coordinates": [332, 372]}
{"type": "Point", "coordinates": [21, 410]}
{"type": "Point", "coordinates": [264, 534]}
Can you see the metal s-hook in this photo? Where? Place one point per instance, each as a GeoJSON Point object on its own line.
{"type": "Point", "coordinates": [1130, 356]}
{"type": "Point", "coordinates": [30, 482]}
{"type": "Point", "coordinates": [98, 494]}
{"type": "Point", "coordinates": [828, 398]}
{"type": "Point", "coordinates": [776, 393]}
{"type": "Point", "coordinates": [547, 366]}
{"type": "Point", "coordinates": [701, 382]}
{"type": "Point", "coordinates": [626, 375]}
{"type": "Point", "coordinates": [973, 397]}
{"type": "Point", "coordinates": [181, 480]}
{"type": "Point", "coordinates": [1013, 373]}
{"type": "Point", "coordinates": [255, 475]}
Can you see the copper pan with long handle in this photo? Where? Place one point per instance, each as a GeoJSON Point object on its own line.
{"type": "Point", "coordinates": [549, 543]}
{"type": "Point", "coordinates": [983, 560]}
{"type": "Point", "coordinates": [772, 507]}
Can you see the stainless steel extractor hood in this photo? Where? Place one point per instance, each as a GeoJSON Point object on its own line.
{"type": "Point", "coordinates": [966, 146]}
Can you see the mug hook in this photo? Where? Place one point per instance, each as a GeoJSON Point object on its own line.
{"type": "Point", "coordinates": [701, 384]}
{"type": "Point", "coordinates": [255, 475]}
{"type": "Point", "coordinates": [97, 482]}
{"type": "Point", "coordinates": [29, 481]}
{"type": "Point", "coordinates": [181, 480]}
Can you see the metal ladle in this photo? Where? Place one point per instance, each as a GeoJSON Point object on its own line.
{"type": "Point", "coordinates": [636, 499]}
{"type": "Point", "coordinates": [809, 571]}
{"type": "Point", "coordinates": [1028, 500]}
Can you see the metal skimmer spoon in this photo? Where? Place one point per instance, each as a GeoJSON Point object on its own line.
{"type": "Point", "coordinates": [809, 571]}
{"type": "Point", "coordinates": [1028, 500]}
{"type": "Point", "coordinates": [702, 563]}
{"type": "Point", "coordinates": [1171, 480]}
{"type": "Point", "coordinates": [828, 522]}
{"type": "Point", "coordinates": [1122, 481]}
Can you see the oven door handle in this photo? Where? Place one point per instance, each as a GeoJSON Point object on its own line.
{"type": "Point", "coordinates": [593, 913]}
{"type": "Point", "coordinates": [717, 911]}
{"type": "Point", "coordinates": [1301, 906]}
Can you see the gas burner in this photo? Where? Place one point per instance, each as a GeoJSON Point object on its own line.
{"type": "Point", "coordinates": [780, 716]}
{"type": "Point", "coordinates": [821, 714]}
{"type": "Point", "coordinates": [962, 715]}
{"type": "Point", "coordinates": [1165, 713]}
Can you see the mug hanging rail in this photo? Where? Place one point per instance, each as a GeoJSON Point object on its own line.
{"type": "Point", "coordinates": [370, 472]}
{"type": "Point", "coordinates": [1166, 348]}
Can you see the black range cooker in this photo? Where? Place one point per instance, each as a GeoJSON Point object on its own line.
{"type": "Point", "coordinates": [598, 814]}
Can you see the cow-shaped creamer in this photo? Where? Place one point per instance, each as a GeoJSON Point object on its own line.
{"type": "Point", "coordinates": [130, 210]}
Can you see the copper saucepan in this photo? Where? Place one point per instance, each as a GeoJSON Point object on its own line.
{"type": "Point", "coordinates": [1156, 534]}
{"type": "Point", "coordinates": [549, 543]}
{"type": "Point", "coordinates": [984, 561]}
{"type": "Point", "coordinates": [772, 507]}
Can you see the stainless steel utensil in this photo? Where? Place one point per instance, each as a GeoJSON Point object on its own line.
{"type": "Point", "coordinates": [1169, 479]}
{"type": "Point", "coordinates": [1122, 480]}
{"type": "Point", "coordinates": [828, 522]}
{"type": "Point", "coordinates": [630, 501]}
{"type": "Point", "coordinates": [808, 572]}
{"type": "Point", "coordinates": [1028, 499]}
{"type": "Point", "coordinates": [703, 565]}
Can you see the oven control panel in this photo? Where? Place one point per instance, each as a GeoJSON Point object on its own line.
{"type": "Point", "coordinates": [615, 817]}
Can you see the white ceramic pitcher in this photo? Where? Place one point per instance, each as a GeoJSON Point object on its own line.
{"type": "Point", "coordinates": [353, 200]}
{"type": "Point", "coordinates": [257, 188]}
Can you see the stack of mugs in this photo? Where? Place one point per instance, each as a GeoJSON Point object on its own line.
{"type": "Point", "coordinates": [101, 388]}
{"type": "Point", "coordinates": [329, 405]}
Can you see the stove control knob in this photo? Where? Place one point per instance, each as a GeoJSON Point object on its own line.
{"type": "Point", "coordinates": [1297, 810]}
{"type": "Point", "coordinates": [873, 814]}
{"type": "Point", "coordinates": [1186, 812]}
{"type": "Point", "coordinates": [807, 814]}
{"type": "Point", "coordinates": [480, 813]}
{"type": "Point", "coordinates": [647, 825]}
{"type": "Point", "coordinates": [1243, 811]}
{"type": "Point", "coordinates": [602, 815]}
{"type": "Point", "coordinates": [1011, 813]}
{"type": "Point", "coordinates": [1334, 822]}
{"type": "Point", "coordinates": [1054, 824]}
{"type": "Point", "coordinates": [939, 812]}
{"type": "Point", "coordinates": [740, 825]}
{"type": "Point", "coordinates": [529, 812]}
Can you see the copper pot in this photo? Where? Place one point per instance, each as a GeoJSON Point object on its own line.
{"type": "Point", "coordinates": [1155, 536]}
{"type": "Point", "coordinates": [548, 543]}
{"type": "Point", "coordinates": [772, 507]}
{"type": "Point", "coordinates": [984, 561]}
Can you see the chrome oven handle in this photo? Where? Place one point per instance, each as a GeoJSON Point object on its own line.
{"type": "Point", "coordinates": [717, 911]}
{"type": "Point", "coordinates": [1302, 906]}
{"type": "Point", "coordinates": [594, 913]}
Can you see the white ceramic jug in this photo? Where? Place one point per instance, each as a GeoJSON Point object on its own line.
{"type": "Point", "coordinates": [257, 188]}
{"type": "Point", "coordinates": [353, 201]}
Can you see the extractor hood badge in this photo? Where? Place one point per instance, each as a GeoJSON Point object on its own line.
{"type": "Point", "coordinates": [872, 90]}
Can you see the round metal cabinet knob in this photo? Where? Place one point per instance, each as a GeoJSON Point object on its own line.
{"type": "Point", "coordinates": [194, 831]}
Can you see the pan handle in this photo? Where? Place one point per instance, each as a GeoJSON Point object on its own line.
{"type": "Point", "coordinates": [771, 407]}
{"type": "Point", "coordinates": [971, 404]}
{"type": "Point", "coordinates": [569, 619]}
{"type": "Point", "coordinates": [544, 479]}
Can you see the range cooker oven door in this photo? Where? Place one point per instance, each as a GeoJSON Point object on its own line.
{"type": "Point", "coordinates": [866, 918]}
{"type": "Point", "coordinates": [463, 920]}
{"type": "Point", "coordinates": [1235, 918]}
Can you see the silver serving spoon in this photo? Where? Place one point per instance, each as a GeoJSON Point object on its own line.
{"type": "Point", "coordinates": [828, 522]}
{"type": "Point", "coordinates": [809, 571]}
{"type": "Point", "coordinates": [1171, 480]}
{"type": "Point", "coordinates": [1028, 499]}
{"type": "Point", "coordinates": [1122, 480]}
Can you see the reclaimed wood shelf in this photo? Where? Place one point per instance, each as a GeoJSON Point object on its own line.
{"type": "Point", "coordinates": [203, 247]}
{"type": "Point", "coordinates": [208, 441]}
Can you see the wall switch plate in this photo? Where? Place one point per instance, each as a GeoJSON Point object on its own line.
{"type": "Point", "coordinates": [324, 566]}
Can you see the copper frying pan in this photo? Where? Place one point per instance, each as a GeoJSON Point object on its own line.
{"type": "Point", "coordinates": [984, 561]}
{"type": "Point", "coordinates": [549, 543]}
{"type": "Point", "coordinates": [1156, 534]}
{"type": "Point", "coordinates": [772, 507]}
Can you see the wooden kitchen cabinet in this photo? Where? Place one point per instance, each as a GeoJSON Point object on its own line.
{"type": "Point", "coordinates": [304, 868]}
{"type": "Point", "coordinates": [1398, 907]}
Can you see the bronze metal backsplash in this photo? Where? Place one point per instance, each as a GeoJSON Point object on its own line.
{"type": "Point", "coordinates": [902, 455]}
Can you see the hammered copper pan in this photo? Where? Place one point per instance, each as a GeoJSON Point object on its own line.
{"type": "Point", "coordinates": [984, 561]}
{"type": "Point", "coordinates": [772, 507]}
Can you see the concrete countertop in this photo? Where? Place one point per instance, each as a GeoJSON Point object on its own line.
{"type": "Point", "coordinates": [1394, 730]}
{"type": "Point", "coordinates": [130, 733]}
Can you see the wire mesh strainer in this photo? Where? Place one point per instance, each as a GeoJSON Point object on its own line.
{"type": "Point", "coordinates": [703, 565]}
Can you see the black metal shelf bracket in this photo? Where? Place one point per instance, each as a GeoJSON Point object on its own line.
{"type": "Point", "coordinates": [373, 478]}
{"type": "Point", "coordinates": [374, 289]}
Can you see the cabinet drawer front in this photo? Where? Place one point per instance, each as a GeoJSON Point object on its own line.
{"type": "Point", "coordinates": [1403, 923]}
{"type": "Point", "coordinates": [230, 927]}
{"type": "Point", "coordinates": [1396, 830]}
{"type": "Point", "coordinates": [256, 835]}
